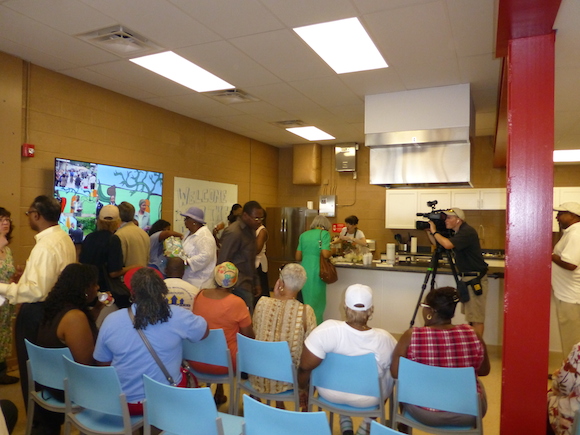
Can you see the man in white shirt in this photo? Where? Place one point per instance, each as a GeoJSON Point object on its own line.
{"type": "Point", "coordinates": [200, 248]}
{"type": "Point", "coordinates": [566, 274]}
{"type": "Point", "coordinates": [180, 292]}
{"type": "Point", "coordinates": [54, 250]}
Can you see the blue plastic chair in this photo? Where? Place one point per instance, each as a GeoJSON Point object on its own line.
{"type": "Point", "coordinates": [212, 350]}
{"type": "Point", "coordinates": [46, 367]}
{"type": "Point", "coordinates": [442, 388]}
{"type": "Point", "coordinates": [379, 429]}
{"type": "Point", "coordinates": [268, 359]}
{"type": "Point", "coordinates": [97, 391]}
{"type": "Point", "coordinates": [575, 429]}
{"type": "Point", "coordinates": [260, 419]}
{"type": "Point", "coordinates": [349, 374]}
{"type": "Point", "coordinates": [185, 411]}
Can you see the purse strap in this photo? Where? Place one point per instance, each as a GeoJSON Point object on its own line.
{"type": "Point", "coordinates": [151, 350]}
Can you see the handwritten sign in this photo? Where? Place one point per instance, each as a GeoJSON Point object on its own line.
{"type": "Point", "coordinates": [215, 199]}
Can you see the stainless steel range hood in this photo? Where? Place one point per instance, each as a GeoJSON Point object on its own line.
{"type": "Point", "coordinates": [420, 138]}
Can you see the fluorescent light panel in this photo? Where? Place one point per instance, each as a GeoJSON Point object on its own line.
{"type": "Point", "coordinates": [310, 133]}
{"type": "Point", "coordinates": [344, 45]}
{"type": "Point", "coordinates": [566, 156]}
{"type": "Point", "coordinates": [182, 71]}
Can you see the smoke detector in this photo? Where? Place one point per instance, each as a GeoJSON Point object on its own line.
{"type": "Point", "coordinates": [121, 41]}
{"type": "Point", "coordinates": [231, 96]}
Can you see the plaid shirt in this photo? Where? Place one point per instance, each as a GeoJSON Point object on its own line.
{"type": "Point", "coordinates": [455, 347]}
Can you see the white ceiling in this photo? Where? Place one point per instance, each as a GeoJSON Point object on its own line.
{"type": "Point", "coordinates": [251, 44]}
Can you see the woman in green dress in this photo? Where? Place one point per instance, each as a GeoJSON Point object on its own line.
{"type": "Point", "coordinates": [310, 245]}
{"type": "Point", "coordinates": [7, 269]}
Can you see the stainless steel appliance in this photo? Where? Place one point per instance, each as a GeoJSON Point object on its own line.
{"type": "Point", "coordinates": [284, 224]}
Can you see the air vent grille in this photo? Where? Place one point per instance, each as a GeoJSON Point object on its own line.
{"type": "Point", "coordinates": [290, 123]}
{"type": "Point", "coordinates": [231, 96]}
{"type": "Point", "coordinates": [121, 41]}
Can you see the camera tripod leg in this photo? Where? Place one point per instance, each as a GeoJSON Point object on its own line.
{"type": "Point", "coordinates": [431, 273]}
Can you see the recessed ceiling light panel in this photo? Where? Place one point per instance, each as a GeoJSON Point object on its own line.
{"type": "Point", "coordinates": [310, 133]}
{"type": "Point", "coordinates": [344, 45]}
{"type": "Point", "coordinates": [566, 156]}
{"type": "Point", "coordinates": [180, 70]}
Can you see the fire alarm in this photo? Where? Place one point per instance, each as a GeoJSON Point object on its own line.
{"type": "Point", "coordinates": [27, 150]}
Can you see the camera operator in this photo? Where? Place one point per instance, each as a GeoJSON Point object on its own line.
{"type": "Point", "coordinates": [470, 265]}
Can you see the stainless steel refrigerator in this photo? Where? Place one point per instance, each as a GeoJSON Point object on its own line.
{"type": "Point", "coordinates": [284, 224]}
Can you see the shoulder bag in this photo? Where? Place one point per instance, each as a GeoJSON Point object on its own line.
{"type": "Point", "coordinates": [327, 270]}
{"type": "Point", "coordinates": [189, 379]}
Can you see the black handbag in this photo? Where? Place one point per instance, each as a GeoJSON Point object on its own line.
{"type": "Point", "coordinates": [118, 289]}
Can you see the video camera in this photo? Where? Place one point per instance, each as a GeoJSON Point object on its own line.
{"type": "Point", "coordinates": [436, 216]}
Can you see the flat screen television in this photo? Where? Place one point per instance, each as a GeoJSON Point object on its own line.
{"type": "Point", "coordinates": [84, 188]}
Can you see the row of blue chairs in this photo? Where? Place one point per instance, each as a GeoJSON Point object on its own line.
{"type": "Point", "coordinates": [358, 375]}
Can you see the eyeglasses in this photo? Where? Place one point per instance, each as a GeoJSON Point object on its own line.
{"type": "Point", "coordinates": [259, 219]}
{"type": "Point", "coordinates": [27, 213]}
{"type": "Point", "coordinates": [5, 220]}
{"type": "Point", "coordinates": [426, 306]}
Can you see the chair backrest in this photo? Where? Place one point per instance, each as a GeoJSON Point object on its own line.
{"type": "Point", "coordinates": [47, 365]}
{"type": "Point", "coordinates": [261, 419]}
{"type": "Point", "coordinates": [379, 429]}
{"type": "Point", "coordinates": [95, 388]}
{"type": "Point", "coordinates": [179, 410]}
{"type": "Point", "coordinates": [349, 374]}
{"type": "Point", "coordinates": [443, 388]}
{"type": "Point", "coordinates": [268, 359]}
{"type": "Point", "coordinates": [211, 350]}
{"type": "Point", "coordinates": [575, 429]}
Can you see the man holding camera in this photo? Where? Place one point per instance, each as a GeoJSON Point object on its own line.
{"type": "Point", "coordinates": [469, 263]}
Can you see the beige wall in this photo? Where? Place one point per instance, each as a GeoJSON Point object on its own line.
{"type": "Point", "coordinates": [72, 119]}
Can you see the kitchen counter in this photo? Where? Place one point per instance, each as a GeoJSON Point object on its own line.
{"type": "Point", "coordinates": [493, 272]}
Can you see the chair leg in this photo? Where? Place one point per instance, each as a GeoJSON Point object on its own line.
{"type": "Point", "coordinates": [29, 415]}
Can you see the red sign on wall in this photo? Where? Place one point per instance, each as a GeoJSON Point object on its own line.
{"type": "Point", "coordinates": [337, 228]}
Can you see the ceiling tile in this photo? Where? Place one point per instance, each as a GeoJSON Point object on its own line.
{"type": "Point", "coordinates": [469, 22]}
{"type": "Point", "coordinates": [297, 13]}
{"type": "Point", "coordinates": [327, 91]}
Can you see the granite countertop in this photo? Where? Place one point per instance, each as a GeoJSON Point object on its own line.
{"type": "Point", "coordinates": [493, 272]}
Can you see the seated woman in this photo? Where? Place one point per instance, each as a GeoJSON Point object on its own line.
{"type": "Point", "coordinates": [433, 343]}
{"type": "Point", "coordinates": [564, 396]}
{"type": "Point", "coordinates": [283, 318]}
{"type": "Point", "coordinates": [69, 322]}
{"type": "Point", "coordinates": [223, 310]}
{"type": "Point", "coordinates": [352, 337]}
{"type": "Point", "coordinates": [158, 232]}
{"type": "Point", "coordinates": [165, 326]}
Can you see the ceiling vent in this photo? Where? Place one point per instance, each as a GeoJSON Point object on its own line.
{"type": "Point", "coordinates": [291, 123]}
{"type": "Point", "coordinates": [121, 41]}
{"type": "Point", "coordinates": [231, 96]}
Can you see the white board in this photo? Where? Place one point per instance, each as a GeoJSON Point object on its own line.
{"type": "Point", "coordinates": [215, 199]}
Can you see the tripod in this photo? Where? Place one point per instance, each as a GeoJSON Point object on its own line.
{"type": "Point", "coordinates": [432, 273]}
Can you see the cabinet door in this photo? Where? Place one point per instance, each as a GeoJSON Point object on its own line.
{"type": "Point", "coordinates": [493, 199]}
{"type": "Point", "coordinates": [401, 209]}
{"type": "Point", "coordinates": [442, 196]}
{"type": "Point", "coordinates": [466, 199]}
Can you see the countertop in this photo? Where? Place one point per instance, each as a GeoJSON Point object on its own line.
{"type": "Point", "coordinates": [493, 272]}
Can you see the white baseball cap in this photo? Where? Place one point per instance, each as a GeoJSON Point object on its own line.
{"type": "Point", "coordinates": [358, 297]}
{"type": "Point", "coordinates": [572, 207]}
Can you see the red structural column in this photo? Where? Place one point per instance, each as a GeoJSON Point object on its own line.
{"type": "Point", "coordinates": [529, 234]}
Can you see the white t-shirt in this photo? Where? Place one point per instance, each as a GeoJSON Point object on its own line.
{"type": "Point", "coordinates": [181, 292]}
{"type": "Point", "coordinates": [566, 283]}
{"type": "Point", "coordinates": [337, 337]}
{"type": "Point", "coordinates": [358, 234]}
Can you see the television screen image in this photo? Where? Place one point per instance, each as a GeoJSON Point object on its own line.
{"type": "Point", "coordinates": [84, 188]}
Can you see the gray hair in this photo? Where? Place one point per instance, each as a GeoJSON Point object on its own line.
{"type": "Point", "coordinates": [320, 221]}
{"type": "Point", "coordinates": [294, 276]}
{"type": "Point", "coordinates": [360, 317]}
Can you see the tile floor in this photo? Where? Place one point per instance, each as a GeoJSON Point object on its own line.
{"type": "Point", "coordinates": [492, 384]}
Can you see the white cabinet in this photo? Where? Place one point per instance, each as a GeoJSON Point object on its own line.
{"type": "Point", "coordinates": [401, 207]}
{"type": "Point", "coordinates": [479, 199]}
{"type": "Point", "coordinates": [561, 195]}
